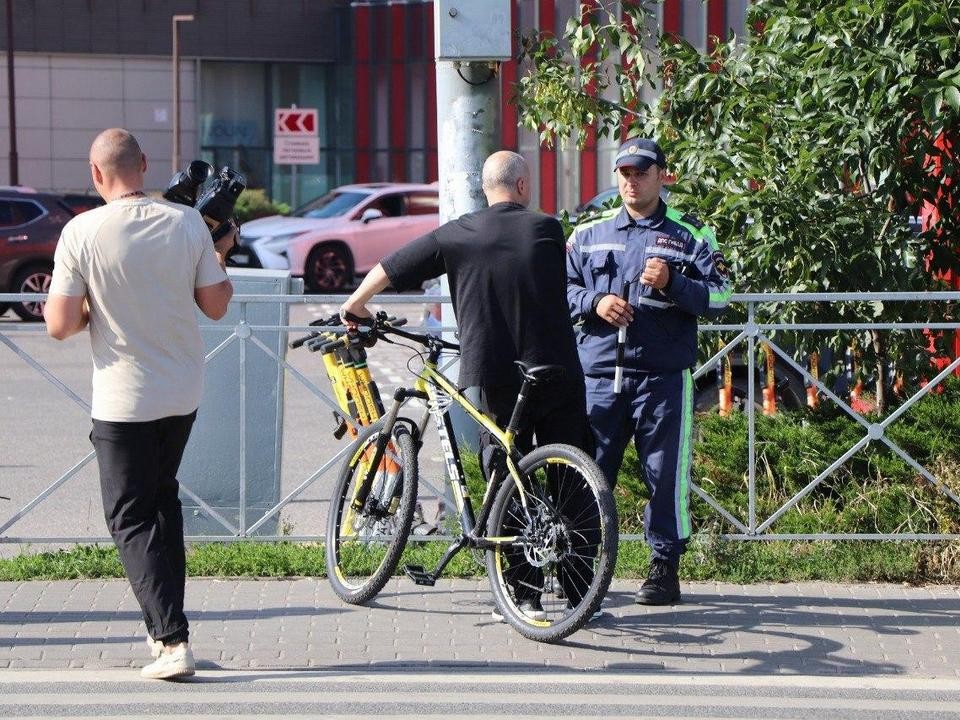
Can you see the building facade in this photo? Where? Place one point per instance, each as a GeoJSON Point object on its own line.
{"type": "Point", "coordinates": [366, 65]}
{"type": "Point", "coordinates": [81, 67]}
{"type": "Point", "coordinates": [396, 131]}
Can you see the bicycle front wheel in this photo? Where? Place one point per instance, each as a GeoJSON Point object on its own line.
{"type": "Point", "coordinates": [364, 546]}
{"type": "Point", "coordinates": [556, 543]}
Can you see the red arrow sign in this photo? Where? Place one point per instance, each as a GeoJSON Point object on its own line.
{"type": "Point", "coordinates": [295, 122]}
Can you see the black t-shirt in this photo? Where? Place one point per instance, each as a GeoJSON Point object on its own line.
{"type": "Point", "coordinates": [507, 271]}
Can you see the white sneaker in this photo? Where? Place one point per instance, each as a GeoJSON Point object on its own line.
{"type": "Point", "coordinates": [156, 647]}
{"type": "Point", "coordinates": [531, 608]}
{"type": "Point", "coordinates": [175, 661]}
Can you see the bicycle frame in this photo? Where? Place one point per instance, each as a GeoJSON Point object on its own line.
{"type": "Point", "coordinates": [436, 389]}
{"type": "Point", "coordinates": [432, 382]}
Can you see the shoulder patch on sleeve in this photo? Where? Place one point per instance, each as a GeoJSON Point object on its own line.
{"type": "Point", "coordinates": [720, 263]}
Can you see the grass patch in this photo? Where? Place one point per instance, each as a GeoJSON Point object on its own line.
{"type": "Point", "coordinates": [83, 561]}
{"type": "Point", "coordinates": [708, 558]}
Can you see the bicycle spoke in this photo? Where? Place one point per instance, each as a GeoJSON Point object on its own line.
{"type": "Point", "coordinates": [551, 580]}
{"type": "Point", "coordinates": [364, 545]}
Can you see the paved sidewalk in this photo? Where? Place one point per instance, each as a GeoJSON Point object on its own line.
{"type": "Point", "coordinates": [804, 629]}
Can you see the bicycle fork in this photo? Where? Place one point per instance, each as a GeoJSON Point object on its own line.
{"type": "Point", "coordinates": [378, 458]}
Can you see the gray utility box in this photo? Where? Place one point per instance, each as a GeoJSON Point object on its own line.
{"type": "Point", "coordinates": [471, 29]}
{"type": "Point", "coordinates": [212, 466]}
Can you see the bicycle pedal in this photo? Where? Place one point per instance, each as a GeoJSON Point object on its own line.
{"type": "Point", "coordinates": [419, 575]}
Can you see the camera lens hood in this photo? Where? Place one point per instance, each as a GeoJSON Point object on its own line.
{"type": "Point", "coordinates": [199, 171]}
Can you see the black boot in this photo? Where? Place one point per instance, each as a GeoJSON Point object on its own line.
{"type": "Point", "coordinates": [662, 586]}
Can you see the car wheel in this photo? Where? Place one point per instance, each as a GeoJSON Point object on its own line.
{"type": "Point", "coordinates": [329, 268]}
{"type": "Point", "coordinates": [31, 279]}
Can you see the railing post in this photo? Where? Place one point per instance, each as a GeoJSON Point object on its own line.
{"type": "Point", "coordinates": [751, 419]}
{"type": "Point", "coordinates": [244, 336]}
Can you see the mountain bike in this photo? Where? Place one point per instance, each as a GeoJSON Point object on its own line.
{"type": "Point", "coordinates": [547, 524]}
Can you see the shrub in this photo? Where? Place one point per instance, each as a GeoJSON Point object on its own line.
{"type": "Point", "coordinates": [874, 491]}
{"type": "Point", "coordinates": [253, 204]}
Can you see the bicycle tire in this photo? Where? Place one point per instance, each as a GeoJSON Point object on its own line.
{"type": "Point", "coordinates": [363, 548]}
{"type": "Point", "coordinates": [580, 540]}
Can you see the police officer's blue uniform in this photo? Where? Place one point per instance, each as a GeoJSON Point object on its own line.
{"type": "Point", "coordinates": [655, 405]}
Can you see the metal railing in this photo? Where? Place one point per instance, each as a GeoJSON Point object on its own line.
{"type": "Point", "coordinates": [753, 332]}
{"type": "Point", "coordinates": [748, 333]}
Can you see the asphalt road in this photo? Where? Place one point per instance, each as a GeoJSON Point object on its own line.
{"type": "Point", "coordinates": [470, 694]}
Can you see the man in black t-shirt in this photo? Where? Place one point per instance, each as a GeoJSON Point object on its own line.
{"type": "Point", "coordinates": [507, 271]}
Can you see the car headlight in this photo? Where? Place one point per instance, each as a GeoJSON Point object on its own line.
{"type": "Point", "coordinates": [277, 243]}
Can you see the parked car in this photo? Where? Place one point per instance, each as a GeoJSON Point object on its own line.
{"type": "Point", "coordinates": [30, 225]}
{"type": "Point", "coordinates": [80, 202]}
{"type": "Point", "coordinates": [600, 201]}
{"type": "Point", "coordinates": [345, 233]}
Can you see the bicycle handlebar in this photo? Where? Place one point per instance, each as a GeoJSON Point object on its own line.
{"type": "Point", "coordinates": [382, 325]}
{"type": "Point", "coordinates": [369, 329]}
{"type": "Point", "coordinates": [320, 322]}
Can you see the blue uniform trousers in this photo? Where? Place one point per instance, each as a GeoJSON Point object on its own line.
{"type": "Point", "coordinates": [656, 410]}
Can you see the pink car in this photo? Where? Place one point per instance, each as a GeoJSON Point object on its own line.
{"type": "Point", "coordinates": [342, 234]}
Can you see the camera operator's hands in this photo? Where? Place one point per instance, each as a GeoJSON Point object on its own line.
{"type": "Point", "coordinates": [225, 244]}
{"type": "Point", "coordinates": [229, 241]}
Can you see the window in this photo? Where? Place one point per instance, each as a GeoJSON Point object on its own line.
{"type": "Point", "coordinates": [389, 205]}
{"type": "Point", "coordinates": [423, 204]}
{"type": "Point", "coordinates": [331, 205]}
{"type": "Point", "coordinates": [18, 212]}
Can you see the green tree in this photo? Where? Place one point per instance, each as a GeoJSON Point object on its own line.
{"type": "Point", "coordinates": [806, 144]}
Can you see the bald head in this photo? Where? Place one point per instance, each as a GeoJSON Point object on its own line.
{"type": "Point", "coordinates": [117, 153]}
{"type": "Point", "coordinates": [506, 178]}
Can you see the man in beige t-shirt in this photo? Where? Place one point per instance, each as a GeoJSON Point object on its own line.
{"type": "Point", "coordinates": [134, 271]}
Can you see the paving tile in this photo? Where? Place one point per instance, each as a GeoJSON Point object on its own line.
{"type": "Point", "coordinates": [815, 628]}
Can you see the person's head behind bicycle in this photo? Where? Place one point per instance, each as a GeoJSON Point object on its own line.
{"type": "Point", "coordinates": [506, 178]}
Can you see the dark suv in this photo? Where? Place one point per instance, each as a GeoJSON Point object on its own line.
{"type": "Point", "coordinates": [30, 225]}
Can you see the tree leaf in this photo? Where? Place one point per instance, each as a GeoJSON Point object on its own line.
{"type": "Point", "coordinates": [952, 95]}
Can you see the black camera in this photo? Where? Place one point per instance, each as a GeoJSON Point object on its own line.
{"type": "Point", "coordinates": [216, 203]}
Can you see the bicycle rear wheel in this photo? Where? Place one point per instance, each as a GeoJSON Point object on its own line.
{"type": "Point", "coordinates": [364, 546]}
{"type": "Point", "coordinates": [556, 543]}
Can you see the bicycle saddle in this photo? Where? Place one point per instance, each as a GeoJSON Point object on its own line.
{"type": "Point", "coordinates": [539, 373]}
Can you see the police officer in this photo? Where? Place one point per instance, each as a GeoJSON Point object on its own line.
{"type": "Point", "coordinates": [676, 273]}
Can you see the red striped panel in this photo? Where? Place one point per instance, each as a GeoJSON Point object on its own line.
{"type": "Point", "coordinates": [416, 28]}
{"type": "Point", "coordinates": [361, 24]}
{"type": "Point", "coordinates": [398, 93]}
{"type": "Point", "coordinates": [588, 156]}
{"type": "Point", "coordinates": [362, 108]}
{"type": "Point", "coordinates": [548, 158]}
{"type": "Point", "coordinates": [588, 166]}
{"type": "Point", "coordinates": [716, 22]}
{"type": "Point", "coordinates": [672, 12]}
{"type": "Point", "coordinates": [628, 22]}
{"type": "Point", "coordinates": [508, 75]}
